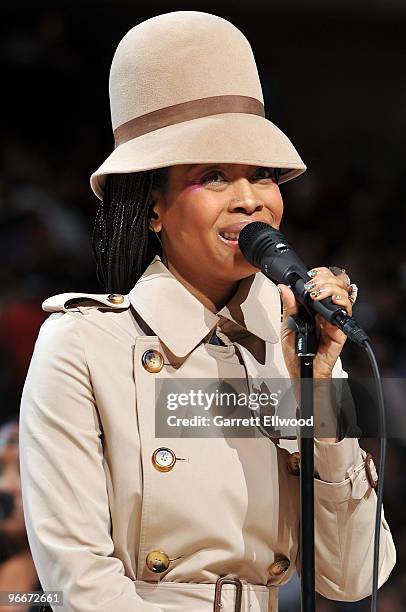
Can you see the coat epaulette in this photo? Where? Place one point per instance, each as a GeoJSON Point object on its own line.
{"type": "Point", "coordinates": [69, 301]}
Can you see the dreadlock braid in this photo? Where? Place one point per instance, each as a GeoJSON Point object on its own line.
{"type": "Point", "coordinates": [122, 243]}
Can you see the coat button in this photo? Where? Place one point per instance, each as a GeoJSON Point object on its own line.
{"type": "Point", "coordinates": [157, 561]}
{"type": "Point", "coordinates": [279, 567]}
{"type": "Point", "coordinates": [116, 298]}
{"type": "Point", "coordinates": [163, 459]}
{"type": "Point", "coordinates": [152, 361]}
{"type": "Point", "coordinates": [294, 464]}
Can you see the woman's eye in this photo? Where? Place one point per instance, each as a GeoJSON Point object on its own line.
{"type": "Point", "coordinates": [265, 172]}
{"type": "Point", "coordinates": [211, 176]}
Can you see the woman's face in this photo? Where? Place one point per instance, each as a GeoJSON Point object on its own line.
{"type": "Point", "coordinates": [201, 203]}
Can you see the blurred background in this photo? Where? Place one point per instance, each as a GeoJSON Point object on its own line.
{"type": "Point", "coordinates": [333, 80]}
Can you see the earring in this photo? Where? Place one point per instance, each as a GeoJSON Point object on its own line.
{"type": "Point", "coordinates": [150, 227]}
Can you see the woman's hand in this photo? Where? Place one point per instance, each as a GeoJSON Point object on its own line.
{"type": "Point", "coordinates": [332, 339]}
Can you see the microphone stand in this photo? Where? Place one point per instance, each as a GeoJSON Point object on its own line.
{"type": "Point", "coordinates": [306, 348]}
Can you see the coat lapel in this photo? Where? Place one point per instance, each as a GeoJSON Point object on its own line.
{"type": "Point", "coordinates": [181, 321]}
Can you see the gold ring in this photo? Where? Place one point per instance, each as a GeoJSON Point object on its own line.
{"type": "Point", "coordinates": [337, 271]}
{"type": "Point", "coordinates": [352, 296]}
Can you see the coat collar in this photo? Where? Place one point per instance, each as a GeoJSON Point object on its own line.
{"type": "Point", "coordinates": [181, 321]}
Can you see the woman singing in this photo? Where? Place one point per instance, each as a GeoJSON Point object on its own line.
{"type": "Point", "coordinates": [121, 519]}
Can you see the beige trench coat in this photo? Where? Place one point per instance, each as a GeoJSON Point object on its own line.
{"type": "Point", "coordinates": [96, 506]}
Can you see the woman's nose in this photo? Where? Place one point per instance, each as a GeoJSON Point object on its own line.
{"type": "Point", "coordinates": [245, 197]}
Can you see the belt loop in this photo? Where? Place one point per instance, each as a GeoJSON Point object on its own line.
{"type": "Point", "coordinates": [217, 593]}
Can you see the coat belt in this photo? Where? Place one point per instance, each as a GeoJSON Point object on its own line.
{"type": "Point", "coordinates": [199, 597]}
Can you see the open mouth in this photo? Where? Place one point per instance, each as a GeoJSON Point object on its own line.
{"type": "Point", "coordinates": [229, 234]}
{"type": "Point", "coordinates": [230, 238]}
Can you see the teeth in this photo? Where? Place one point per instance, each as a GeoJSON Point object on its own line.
{"type": "Point", "coordinates": [230, 235]}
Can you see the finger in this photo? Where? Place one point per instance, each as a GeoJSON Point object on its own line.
{"type": "Point", "coordinates": [321, 272]}
{"type": "Point", "coordinates": [343, 300]}
{"type": "Point", "coordinates": [337, 294]}
{"type": "Point", "coordinates": [315, 272]}
{"type": "Point", "coordinates": [324, 278]}
{"type": "Point", "coordinates": [330, 329]}
{"type": "Point", "coordinates": [320, 291]}
{"type": "Point", "coordinates": [289, 303]}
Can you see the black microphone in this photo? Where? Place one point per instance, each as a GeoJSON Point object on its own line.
{"type": "Point", "coordinates": [266, 248]}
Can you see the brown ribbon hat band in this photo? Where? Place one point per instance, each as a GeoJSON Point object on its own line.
{"type": "Point", "coordinates": [186, 111]}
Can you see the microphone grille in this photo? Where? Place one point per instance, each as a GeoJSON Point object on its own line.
{"type": "Point", "coordinates": [251, 231]}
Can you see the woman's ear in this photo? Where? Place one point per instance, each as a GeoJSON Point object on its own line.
{"type": "Point", "coordinates": [154, 212]}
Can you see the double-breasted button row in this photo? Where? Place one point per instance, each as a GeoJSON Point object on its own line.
{"type": "Point", "coordinates": [157, 561]}
{"type": "Point", "coordinates": [293, 464]}
{"type": "Point", "coordinates": [153, 361]}
{"type": "Point", "coordinates": [279, 567]}
{"type": "Point", "coordinates": [163, 459]}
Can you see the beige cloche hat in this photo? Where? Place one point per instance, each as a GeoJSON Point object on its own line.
{"type": "Point", "coordinates": [184, 89]}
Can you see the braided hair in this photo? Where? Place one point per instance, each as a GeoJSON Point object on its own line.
{"type": "Point", "coordinates": [122, 242]}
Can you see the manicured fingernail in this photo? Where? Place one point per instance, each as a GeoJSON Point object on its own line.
{"type": "Point", "coordinates": [317, 292]}
{"type": "Point", "coordinates": [338, 297]}
{"type": "Point", "coordinates": [312, 272]}
{"type": "Point", "coordinates": [309, 285]}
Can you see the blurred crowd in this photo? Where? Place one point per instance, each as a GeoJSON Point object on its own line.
{"type": "Point", "coordinates": [56, 131]}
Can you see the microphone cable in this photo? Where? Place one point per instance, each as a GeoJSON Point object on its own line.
{"type": "Point", "coordinates": [382, 459]}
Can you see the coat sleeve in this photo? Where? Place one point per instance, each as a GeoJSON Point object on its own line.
{"type": "Point", "coordinates": [345, 506]}
{"type": "Point", "coordinates": [65, 498]}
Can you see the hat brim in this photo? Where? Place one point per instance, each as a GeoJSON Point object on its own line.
{"type": "Point", "coordinates": [234, 138]}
